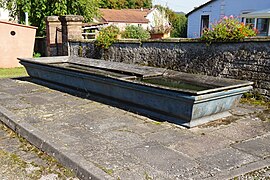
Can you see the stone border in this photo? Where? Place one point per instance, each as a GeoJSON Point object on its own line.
{"type": "Point", "coordinates": [82, 168]}
{"type": "Point", "coordinates": [242, 170]}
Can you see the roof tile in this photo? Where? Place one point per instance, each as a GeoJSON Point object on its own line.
{"type": "Point", "coordinates": [125, 15]}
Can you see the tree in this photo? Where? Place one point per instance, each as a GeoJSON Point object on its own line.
{"type": "Point", "coordinates": [178, 22]}
{"type": "Point", "coordinates": [39, 9]}
{"type": "Point", "coordinates": [125, 4]}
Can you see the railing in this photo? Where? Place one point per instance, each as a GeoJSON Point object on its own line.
{"type": "Point", "coordinates": [90, 31]}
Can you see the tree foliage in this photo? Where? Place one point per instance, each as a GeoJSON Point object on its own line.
{"type": "Point", "coordinates": [125, 4]}
{"type": "Point", "coordinates": [39, 9]}
{"type": "Point", "coordinates": [178, 22]}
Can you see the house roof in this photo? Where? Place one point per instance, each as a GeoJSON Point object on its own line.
{"type": "Point", "coordinates": [258, 14]}
{"type": "Point", "coordinates": [201, 6]}
{"type": "Point", "coordinates": [125, 15]}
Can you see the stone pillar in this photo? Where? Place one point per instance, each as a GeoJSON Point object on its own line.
{"type": "Point", "coordinates": [53, 36]}
{"type": "Point", "coordinates": [71, 30]}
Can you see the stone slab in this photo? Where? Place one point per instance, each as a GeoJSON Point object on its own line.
{"type": "Point", "coordinates": [259, 146]}
{"type": "Point", "coordinates": [225, 160]}
{"type": "Point", "coordinates": [163, 159]}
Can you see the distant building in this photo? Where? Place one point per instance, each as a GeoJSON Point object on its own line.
{"type": "Point", "coordinates": [146, 18]}
{"type": "Point", "coordinates": [255, 12]}
{"type": "Point", "coordinates": [124, 17]}
{"type": "Point", "coordinates": [4, 15]}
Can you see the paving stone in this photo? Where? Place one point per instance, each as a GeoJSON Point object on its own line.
{"type": "Point", "coordinates": [15, 104]}
{"type": "Point", "coordinates": [17, 91]}
{"type": "Point", "coordinates": [6, 82]}
{"type": "Point", "coordinates": [36, 100]}
{"type": "Point", "coordinates": [76, 120]}
{"type": "Point", "coordinates": [123, 139]}
{"type": "Point", "coordinates": [100, 125]}
{"type": "Point", "coordinates": [244, 129]}
{"type": "Point", "coordinates": [145, 127]}
{"type": "Point", "coordinates": [170, 136]}
{"type": "Point", "coordinates": [45, 94]}
{"type": "Point", "coordinates": [245, 109]}
{"type": "Point", "coordinates": [71, 101]}
{"type": "Point", "coordinates": [33, 120]}
{"type": "Point", "coordinates": [112, 159]}
{"type": "Point", "coordinates": [4, 95]}
{"type": "Point", "coordinates": [141, 172]}
{"type": "Point", "coordinates": [92, 146]}
{"type": "Point", "coordinates": [163, 159]}
{"type": "Point", "coordinates": [259, 146]}
{"type": "Point", "coordinates": [225, 159]}
{"type": "Point", "coordinates": [201, 145]}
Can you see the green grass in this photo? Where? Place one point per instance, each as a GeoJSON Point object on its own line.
{"type": "Point", "coordinates": [12, 72]}
{"type": "Point", "coordinates": [255, 99]}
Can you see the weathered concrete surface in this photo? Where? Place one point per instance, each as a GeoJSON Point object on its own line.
{"type": "Point", "coordinates": [104, 142]}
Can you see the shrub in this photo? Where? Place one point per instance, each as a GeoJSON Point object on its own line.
{"type": "Point", "coordinates": [107, 36]}
{"type": "Point", "coordinates": [135, 32]}
{"type": "Point", "coordinates": [36, 55]}
{"type": "Point", "coordinates": [228, 29]}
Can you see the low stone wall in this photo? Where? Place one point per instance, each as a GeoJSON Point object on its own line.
{"type": "Point", "coordinates": [248, 60]}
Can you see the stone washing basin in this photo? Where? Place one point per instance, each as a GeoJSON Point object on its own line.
{"type": "Point", "coordinates": [181, 98]}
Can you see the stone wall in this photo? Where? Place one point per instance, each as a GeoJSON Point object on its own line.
{"type": "Point", "coordinates": [249, 60]}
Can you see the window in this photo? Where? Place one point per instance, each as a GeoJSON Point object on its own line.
{"type": "Point", "coordinates": [139, 25]}
{"type": "Point", "coordinates": [250, 22]}
{"type": "Point", "coordinates": [263, 26]}
{"type": "Point", "coordinates": [204, 22]}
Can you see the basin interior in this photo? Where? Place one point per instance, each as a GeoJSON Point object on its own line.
{"type": "Point", "coordinates": [94, 70]}
{"type": "Point", "coordinates": [177, 83]}
{"type": "Point", "coordinates": [161, 80]}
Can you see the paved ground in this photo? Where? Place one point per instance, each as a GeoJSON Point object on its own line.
{"type": "Point", "coordinates": [110, 143]}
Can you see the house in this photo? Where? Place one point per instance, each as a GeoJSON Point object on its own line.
{"type": "Point", "coordinates": [146, 18]}
{"type": "Point", "coordinates": [17, 41]}
{"type": "Point", "coordinates": [259, 19]}
{"type": "Point", "coordinates": [248, 11]}
{"type": "Point", "coordinates": [4, 15]}
{"type": "Point", "coordinates": [124, 17]}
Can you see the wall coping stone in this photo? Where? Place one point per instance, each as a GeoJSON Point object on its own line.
{"type": "Point", "coordinates": [52, 19]}
{"type": "Point", "coordinates": [175, 40]}
{"type": "Point", "coordinates": [71, 18]}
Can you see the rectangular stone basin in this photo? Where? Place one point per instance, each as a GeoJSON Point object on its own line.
{"type": "Point", "coordinates": [181, 98]}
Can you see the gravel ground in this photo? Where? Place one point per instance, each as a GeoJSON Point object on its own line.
{"type": "Point", "coordinates": [261, 174]}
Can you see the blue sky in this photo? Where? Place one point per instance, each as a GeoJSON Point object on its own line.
{"type": "Point", "coordinates": [180, 5]}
